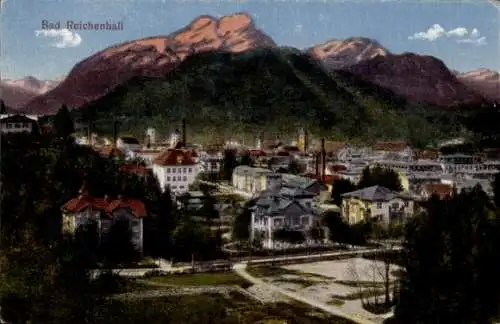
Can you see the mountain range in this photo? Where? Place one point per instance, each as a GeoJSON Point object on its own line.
{"type": "Point", "coordinates": [418, 78]}
{"type": "Point", "coordinates": [17, 93]}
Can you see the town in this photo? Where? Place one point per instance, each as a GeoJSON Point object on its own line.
{"type": "Point", "coordinates": [273, 219]}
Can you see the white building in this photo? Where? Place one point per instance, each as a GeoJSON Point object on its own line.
{"type": "Point", "coordinates": [283, 208]}
{"type": "Point", "coordinates": [17, 123]}
{"type": "Point", "coordinates": [211, 161]}
{"type": "Point", "coordinates": [253, 180]}
{"type": "Point", "coordinates": [128, 144]}
{"type": "Point", "coordinates": [176, 169]}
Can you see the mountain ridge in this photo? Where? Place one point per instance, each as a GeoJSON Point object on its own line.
{"type": "Point", "coordinates": [153, 57]}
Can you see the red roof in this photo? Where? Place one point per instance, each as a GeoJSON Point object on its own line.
{"type": "Point", "coordinates": [440, 189]}
{"type": "Point", "coordinates": [256, 152]}
{"type": "Point", "coordinates": [174, 157]}
{"type": "Point", "coordinates": [84, 201]}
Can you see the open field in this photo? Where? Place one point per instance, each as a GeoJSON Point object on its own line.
{"type": "Point", "coordinates": [209, 308]}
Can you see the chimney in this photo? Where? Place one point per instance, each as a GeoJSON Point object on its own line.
{"type": "Point", "coordinates": [148, 141]}
{"type": "Point", "coordinates": [323, 160]}
{"type": "Point", "coordinates": [115, 133]}
{"type": "Point", "coordinates": [184, 135]}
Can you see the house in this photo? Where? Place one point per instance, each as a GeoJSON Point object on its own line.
{"type": "Point", "coordinates": [275, 210]}
{"type": "Point", "coordinates": [441, 190]}
{"type": "Point", "coordinates": [378, 204]}
{"type": "Point", "coordinates": [253, 180]}
{"type": "Point", "coordinates": [176, 169]}
{"type": "Point", "coordinates": [17, 124]}
{"type": "Point", "coordinates": [211, 160]}
{"type": "Point", "coordinates": [104, 212]}
{"type": "Point", "coordinates": [393, 149]}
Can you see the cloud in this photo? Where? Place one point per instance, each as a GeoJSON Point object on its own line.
{"type": "Point", "coordinates": [462, 34]}
{"type": "Point", "coordinates": [480, 41]}
{"type": "Point", "coordinates": [64, 37]}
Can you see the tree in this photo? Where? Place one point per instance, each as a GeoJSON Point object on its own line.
{"type": "Point", "coordinates": [449, 250]}
{"type": "Point", "coordinates": [340, 187]}
{"type": "Point", "coordinates": [380, 177]}
{"type": "Point", "coordinates": [3, 108]}
{"type": "Point", "coordinates": [63, 123]}
{"type": "Point", "coordinates": [228, 164]}
{"type": "Point", "coordinates": [317, 233]}
{"type": "Point", "coordinates": [496, 190]}
{"type": "Point", "coordinates": [190, 239]}
{"type": "Point", "coordinates": [117, 246]}
{"type": "Point", "coordinates": [295, 168]}
{"type": "Point", "coordinates": [246, 159]}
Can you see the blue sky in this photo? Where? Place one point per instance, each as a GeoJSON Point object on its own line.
{"type": "Point", "coordinates": [299, 23]}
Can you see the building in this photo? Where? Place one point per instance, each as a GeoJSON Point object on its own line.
{"type": "Point", "coordinates": [128, 144]}
{"type": "Point", "coordinates": [211, 160]}
{"type": "Point", "coordinates": [175, 168]}
{"type": "Point", "coordinates": [281, 208]}
{"type": "Point", "coordinates": [393, 150]}
{"type": "Point", "coordinates": [104, 212]}
{"type": "Point", "coordinates": [253, 180]}
{"type": "Point", "coordinates": [376, 204]}
{"type": "Point", "coordinates": [17, 124]}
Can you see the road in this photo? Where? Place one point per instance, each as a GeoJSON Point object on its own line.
{"type": "Point", "coordinates": [240, 269]}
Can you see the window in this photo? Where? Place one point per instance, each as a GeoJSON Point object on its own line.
{"type": "Point", "coordinates": [173, 170]}
{"type": "Point", "coordinates": [168, 170]}
{"type": "Point", "coordinates": [379, 205]}
{"type": "Point", "coordinates": [308, 204]}
{"type": "Point", "coordinates": [26, 125]}
{"type": "Point", "coordinates": [181, 187]}
{"type": "Point", "coordinates": [9, 125]}
{"type": "Point", "coordinates": [174, 187]}
{"type": "Point", "coordinates": [179, 178]}
{"type": "Point", "coordinates": [190, 170]}
{"type": "Point", "coordinates": [184, 170]}
{"type": "Point", "coordinates": [180, 170]}
{"type": "Point", "coordinates": [17, 126]}
{"type": "Point", "coordinates": [184, 178]}
{"type": "Point", "coordinates": [406, 203]}
{"type": "Point", "coordinates": [168, 178]}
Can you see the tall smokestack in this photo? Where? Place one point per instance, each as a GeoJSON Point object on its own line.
{"type": "Point", "coordinates": [323, 160]}
{"type": "Point", "coordinates": [115, 133]}
{"type": "Point", "coordinates": [184, 135]}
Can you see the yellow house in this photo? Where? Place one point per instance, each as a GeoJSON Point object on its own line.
{"type": "Point", "coordinates": [252, 180]}
{"type": "Point", "coordinates": [376, 203]}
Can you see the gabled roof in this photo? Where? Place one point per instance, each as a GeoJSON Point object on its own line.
{"type": "Point", "coordinates": [374, 193]}
{"type": "Point", "coordinates": [390, 146]}
{"type": "Point", "coordinates": [174, 157]}
{"type": "Point", "coordinates": [17, 119]}
{"type": "Point", "coordinates": [104, 204]}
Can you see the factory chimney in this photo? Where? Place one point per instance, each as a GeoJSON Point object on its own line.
{"type": "Point", "coordinates": [323, 160]}
{"type": "Point", "coordinates": [184, 135]}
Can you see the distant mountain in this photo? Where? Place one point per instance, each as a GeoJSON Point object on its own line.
{"type": "Point", "coordinates": [339, 54]}
{"type": "Point", "coordinates": [419, 78]}
{"type": "Point", "coordinates": [484, 81]}
{"type": "Point", "coordinates": [150, 57]}
{"type": "Point", "coordinates": [17, 93]}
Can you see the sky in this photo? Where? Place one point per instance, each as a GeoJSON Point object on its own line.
{"type": "Point", "coordinates": [464, 34]}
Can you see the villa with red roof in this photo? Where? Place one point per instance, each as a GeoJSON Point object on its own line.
{"type": "Point", "coordinates": [104, 212]}
{"type": "Point", "coordinates": [177, 169]}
